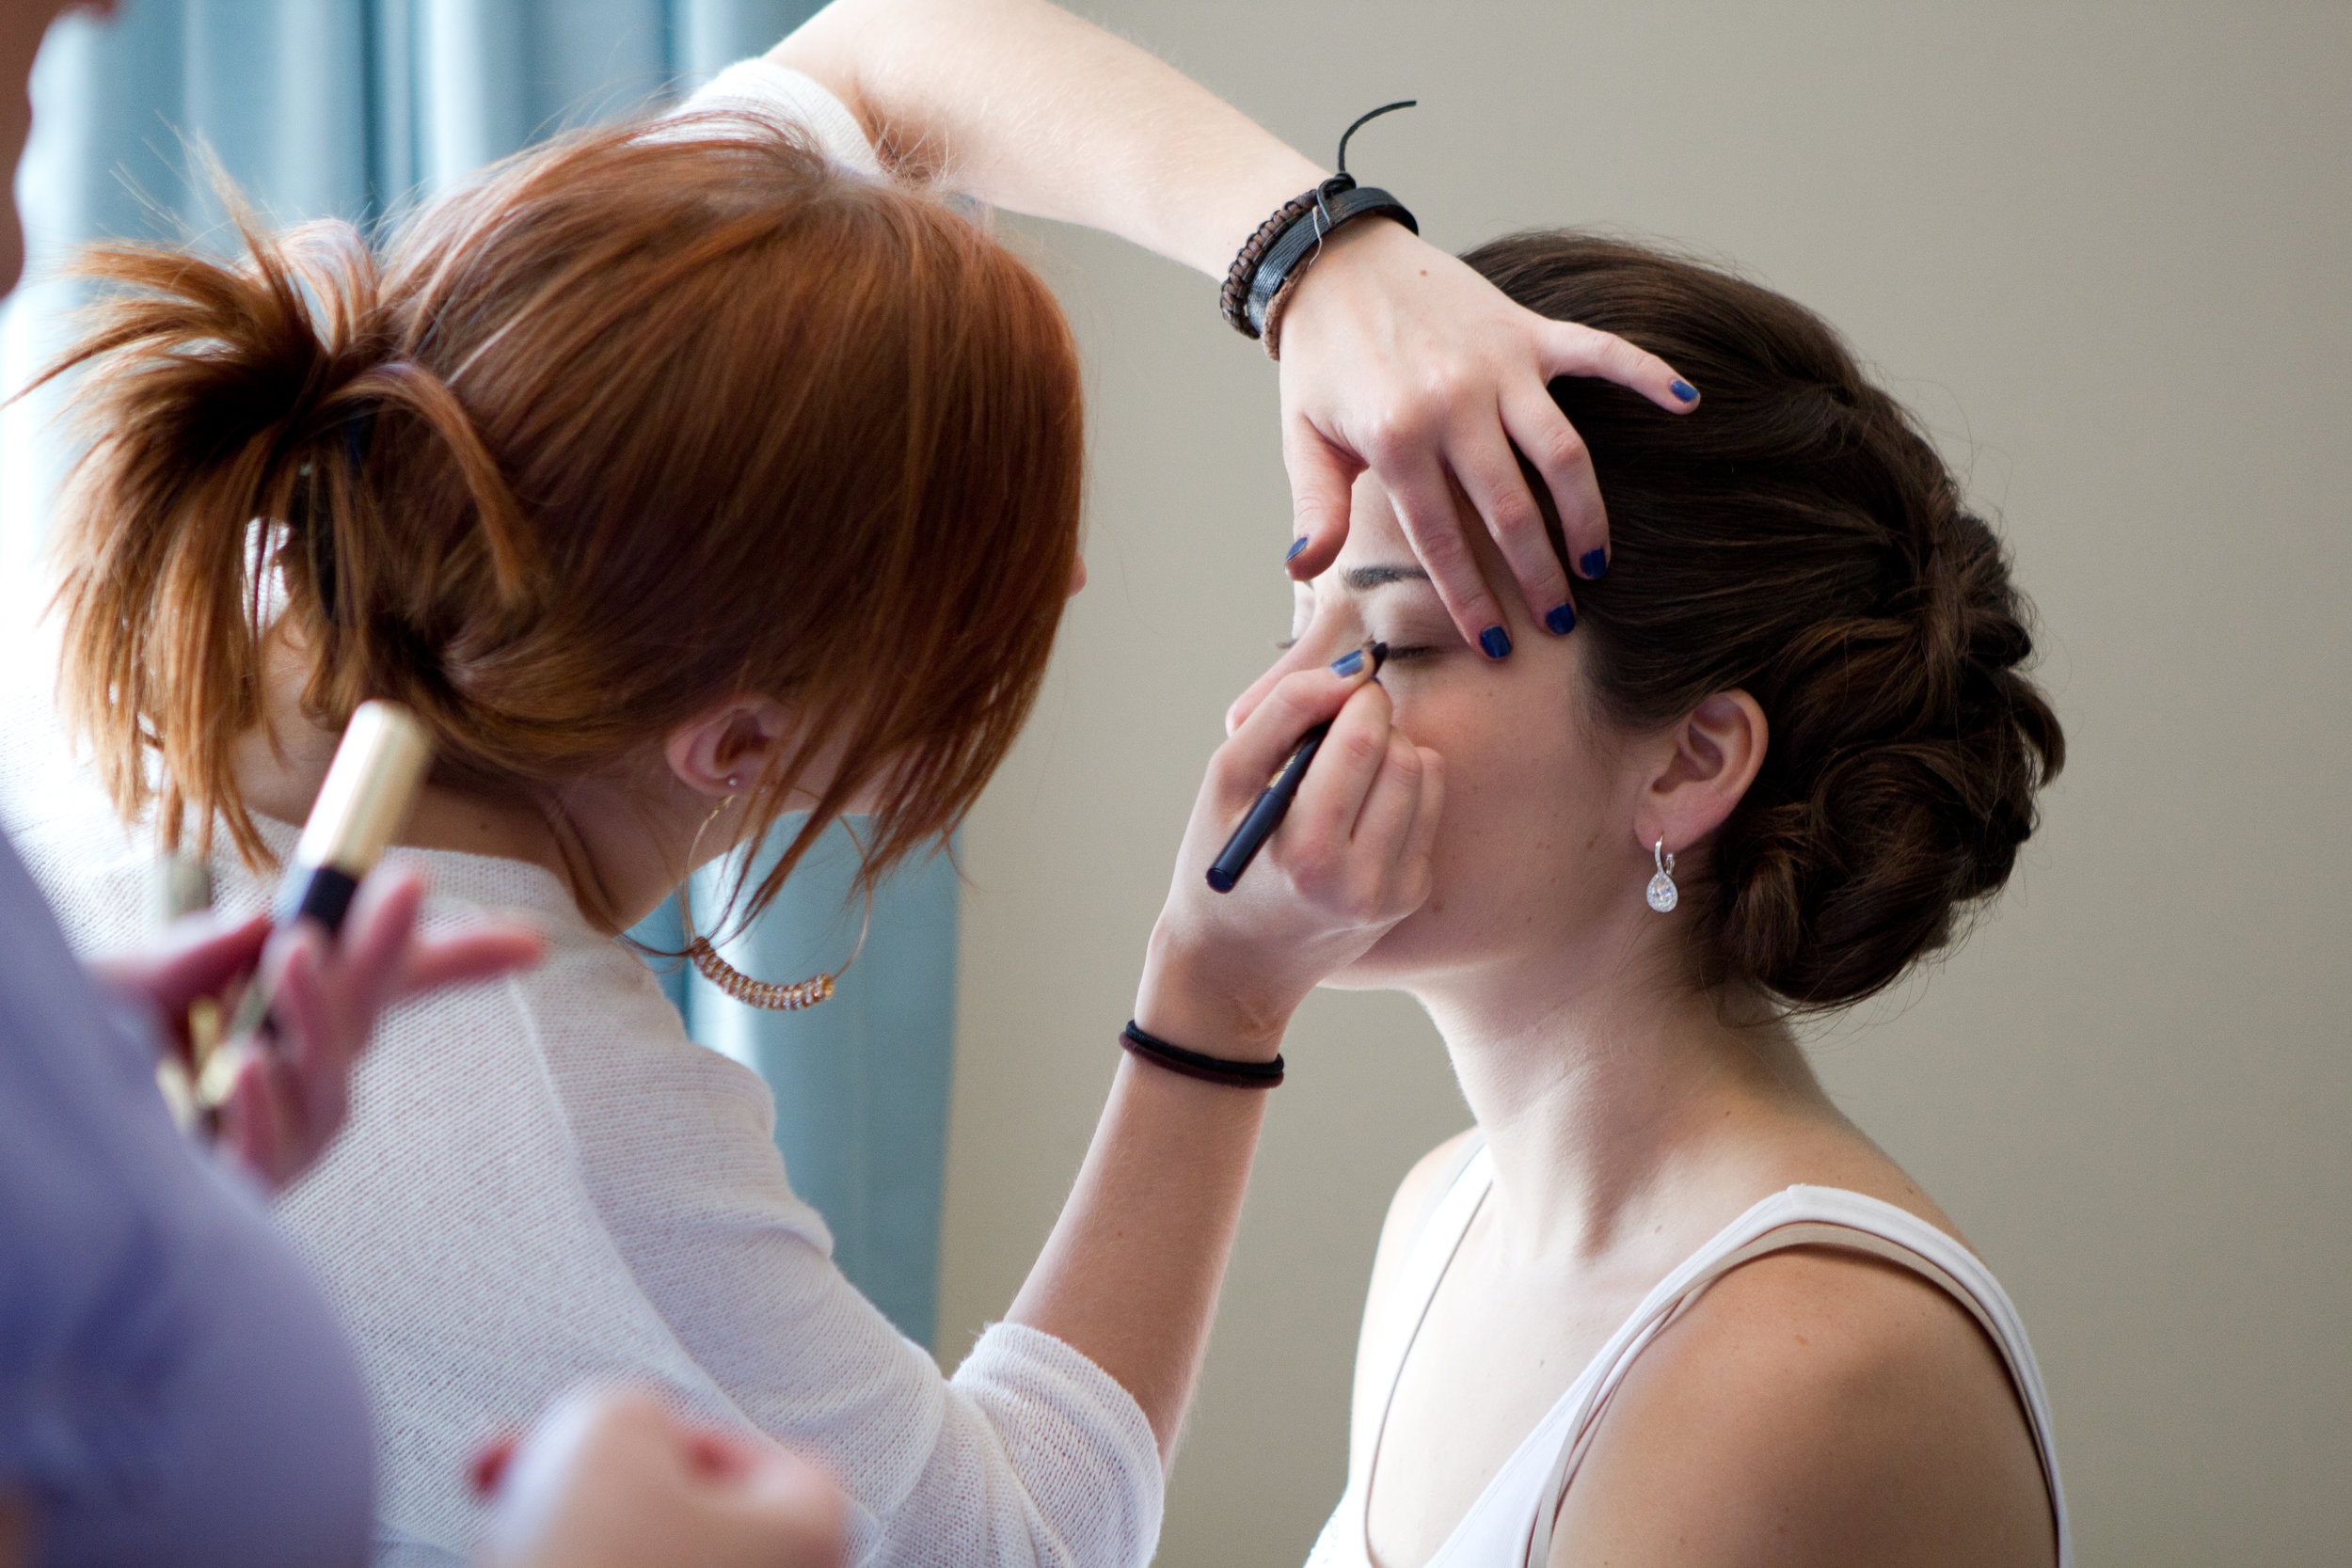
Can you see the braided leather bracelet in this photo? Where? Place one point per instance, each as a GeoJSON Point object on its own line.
{"type": "Point", "coordinates": [1192, 1063]}
{"type": "Point", "coordinates": [1232, 299]}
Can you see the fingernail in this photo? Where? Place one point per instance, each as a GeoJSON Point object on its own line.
{"type": "Point", "coordinates": [1300, 543]}
{"type": "Point", "coordinates": [1684, 390]}
{"type": "Point", "coordinates": [1348, 663]}
{"type": "Point", "coordinates": [1496, 641]}
{"type": "Point", "coordinates": [1561, 620]}
{"type": "Point", "coordinates": [1593, 562]}
{"type": "Point", "coordinates": [489, 1466]}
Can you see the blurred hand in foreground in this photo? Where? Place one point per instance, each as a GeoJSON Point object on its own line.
{"type": "Point", "coordinates": [288, 1104]}
{"type": "Point", "coordinates": [613, 1481]}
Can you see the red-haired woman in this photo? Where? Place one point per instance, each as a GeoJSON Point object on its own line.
{"type": "Point", "coordinates": [680, 476]}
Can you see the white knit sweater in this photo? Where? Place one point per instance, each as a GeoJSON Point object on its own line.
{"type": "Point", "coordinates": [545, 1181]}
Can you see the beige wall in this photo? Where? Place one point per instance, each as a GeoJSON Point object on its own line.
{"type": "Point", "coordinates": [2105, 256]}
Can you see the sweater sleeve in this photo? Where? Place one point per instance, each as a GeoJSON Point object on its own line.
{"type": "Point", "coordinates": [1030, 1454]}
{"type": "Point", "coordinates": [762, 86]}
{"type": "Point", "coordinates": [549, 1183]}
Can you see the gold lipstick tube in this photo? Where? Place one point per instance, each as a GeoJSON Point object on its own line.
{"type": "Point", "coordinates": [379, 766]}
{"type": "Point", "coordinates": [369, 789]}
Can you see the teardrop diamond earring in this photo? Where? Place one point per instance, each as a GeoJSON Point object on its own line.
{"type": "Point", "coordinates": [1663, 895]}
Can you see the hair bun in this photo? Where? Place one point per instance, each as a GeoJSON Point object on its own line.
{"type": "Point", "coordinates": [1906, 749]}
{"type": "Point", "coordinates": [1799, 539]}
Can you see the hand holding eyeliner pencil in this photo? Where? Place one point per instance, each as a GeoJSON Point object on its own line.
{"type": "Point", "coordinates": [1274, 801]}
{"type": "Point", "coordinates": [373, 780]}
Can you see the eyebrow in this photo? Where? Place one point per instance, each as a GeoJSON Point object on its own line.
{"type": "Point", "coordinates": [1361, 580]}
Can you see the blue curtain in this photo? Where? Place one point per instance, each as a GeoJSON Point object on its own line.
{"type": "Point", "coordinates": [349, 108]}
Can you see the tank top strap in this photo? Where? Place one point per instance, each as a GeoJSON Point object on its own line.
{"type": "Point", "coordinates": [1797, 1217]}
{"type": "Point", "coordinates": [1445, 1219]}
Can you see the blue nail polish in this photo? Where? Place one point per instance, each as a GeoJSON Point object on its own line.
{"type": "Point", "coordinates": [1561, 620]}
{"type": "Point", "coordinates": [1593, 562]}
{"type": "Point", "coordinates": [1296, 544]}
{"type": "Point", "coordinates": [1684, 390]}
{"type": "Point", "coordinates": [1496, 641]}
{"type": "Point", "coordinates": [1348, 663]}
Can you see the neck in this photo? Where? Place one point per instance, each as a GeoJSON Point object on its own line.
{"type": "Point", "coordinates": [1613, 1103]}
{"type": "Point", "coordinates": [633, 836]}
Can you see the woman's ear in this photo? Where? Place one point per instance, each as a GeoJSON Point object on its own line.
{"type": "Point", "coordinates": [1705, 765]}
{"type": "Point", "coordinates": [724, 751]}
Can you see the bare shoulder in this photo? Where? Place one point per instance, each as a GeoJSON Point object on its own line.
{"type": "Point", "coordinates": [1415, 1195]}
{"type": "Point", "coordinates": [1819, 1407]}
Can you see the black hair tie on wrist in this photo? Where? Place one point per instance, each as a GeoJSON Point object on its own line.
{"type": "Point", "coordinates": [1192, 1063]}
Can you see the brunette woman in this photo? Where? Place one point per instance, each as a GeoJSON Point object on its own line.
{"type": "Point", "coordinates": [1664, 1303]}
{"type": "Point", "coordinates": [680, 476]}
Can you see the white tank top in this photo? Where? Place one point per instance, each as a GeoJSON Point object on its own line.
{"type": "Point", "coordinates": [1511, 1523]}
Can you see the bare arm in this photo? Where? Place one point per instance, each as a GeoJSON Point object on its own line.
{"type": "Point", "coordinates": [1030, 109]}
{"type": "Point", "coordinates": [1395, 356]}
{"type": "Point", "coordinates": [1131, 1274]}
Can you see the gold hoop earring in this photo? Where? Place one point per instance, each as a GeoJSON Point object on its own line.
{"type": "Point", "coordinates": [765, 994]}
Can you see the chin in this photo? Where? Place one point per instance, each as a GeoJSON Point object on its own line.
{"type": "Point", "coordinates": [1415, 947]}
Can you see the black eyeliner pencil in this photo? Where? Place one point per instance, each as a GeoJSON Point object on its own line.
{"type": "Point", "coordinates": [1273, 803]}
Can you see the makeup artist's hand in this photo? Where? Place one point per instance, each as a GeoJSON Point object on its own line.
{"type": "Point", "coordinates": [1226, 970]}
{"type": "Point", "coordinates": [1398, 358]}
{"type": "Point", "coordinates": [613, 1481]}
{"type": "Point", "coordinates": [287, 1105]}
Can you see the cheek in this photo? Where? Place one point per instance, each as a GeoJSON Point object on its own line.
{"type": "Point", "coordinates": [1520, 849]}
{"type": "Point", "coordinates": [1516, 800]}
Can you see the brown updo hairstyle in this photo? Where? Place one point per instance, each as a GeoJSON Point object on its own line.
{"type": "Point", "coordinates": [1796, 538]}
{"type": "Point", "coordinates": [643, 420]}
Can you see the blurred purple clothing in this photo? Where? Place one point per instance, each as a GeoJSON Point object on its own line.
{"type": "Point", "coordinates": [173, 1387]}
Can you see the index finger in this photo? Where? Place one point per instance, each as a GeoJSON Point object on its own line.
{"type": "Point", "coordinates": [198, 955]}
{"type": "Point", "coordinates": [1551, 445]}
{"type": "Point", "coordinates": [482, 951]}
{"type": "Point", "coordinates": [1333, 795]}
{"type": "Point", "coordinates": [1260, 745]}
{"type": "Point", "coordinates": [1570, 349]}
{"type": "Point", "coordinates": [376, 936]}
{"type": "Point", "coordinates": [1424, 500]}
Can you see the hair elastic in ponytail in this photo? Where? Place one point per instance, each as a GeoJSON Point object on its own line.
{"type": "Point", "coordinates": [318, 541]}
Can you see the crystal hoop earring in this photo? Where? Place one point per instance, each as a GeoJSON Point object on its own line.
{"type": "Point", "coordinates": [757, 993]}
{"type": "Point", "coordinates": [1663, 894]}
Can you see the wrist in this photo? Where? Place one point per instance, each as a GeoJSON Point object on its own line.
{"type": "Point", "coordinates": [1189, 1000]}
{"type": "Point", "coordinates": [1241, 205]}
{"type": "Point", "coordinates": [1364, 247]}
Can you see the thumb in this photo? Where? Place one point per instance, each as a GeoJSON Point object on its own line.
{"type": "Point", "coordinates": [1321, 477]}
